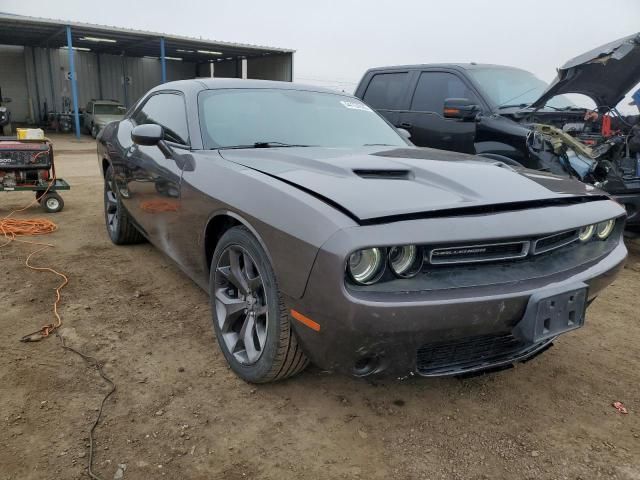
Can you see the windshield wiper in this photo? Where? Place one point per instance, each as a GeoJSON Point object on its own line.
{"type": "Point", "coordinates": [378, 145]}
{"type": "Point", "coordinates": [261, 145]}
{"type": "Point", "coordinates": [519, 105]}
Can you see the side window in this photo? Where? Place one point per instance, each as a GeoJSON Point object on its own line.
{"type": "Point", "coordinates": [434, 87]}
{"type": "Point", "coordinates": [168, 111]}
{"type": "Point", "coordinates": [386, 90]}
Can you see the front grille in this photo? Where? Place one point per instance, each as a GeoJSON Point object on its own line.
{"type": "Point", "coordinates": [487, 252]}
{"type": "Point", "coordinates": [554, 241]}
{"type": "Point", "coordinates": [466, 354]}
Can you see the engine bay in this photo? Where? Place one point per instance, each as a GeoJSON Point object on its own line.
{"type": "Point", "coordinates": [598, 153]}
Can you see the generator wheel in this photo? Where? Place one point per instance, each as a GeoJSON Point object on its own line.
{"type": "Point", "coordinates": [52, 202]}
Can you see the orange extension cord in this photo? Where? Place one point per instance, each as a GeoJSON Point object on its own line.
{"type": "Point", "coordinates": [13, 230]}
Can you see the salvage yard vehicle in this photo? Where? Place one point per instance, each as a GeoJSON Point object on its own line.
{"type": "Point", "coordinates": [100, 112]}
{"type": "Point", "coordinates": [507, 113]}
{"type": "Point", "coordinates": [322, 235]}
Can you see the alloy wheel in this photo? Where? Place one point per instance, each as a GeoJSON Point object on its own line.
{"type": "Point", "coordinates": [111, 205]}
{"type": "Point", "coordinates": [241, 305]}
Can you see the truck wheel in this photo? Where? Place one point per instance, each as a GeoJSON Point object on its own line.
{"type": "Point", "coordinates": [120, 228]}
{"type": "Point", "coordinates": [94, 131]}
{"type": "Point", "coordinates": [52, 202]}
{"type": "Point", "coordinates": [250, 319]}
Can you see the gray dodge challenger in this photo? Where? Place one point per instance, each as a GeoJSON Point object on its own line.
{"type": "Point", "coordinates": [323, 235]}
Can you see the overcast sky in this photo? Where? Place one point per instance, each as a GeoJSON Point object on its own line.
{"type": "Point", "coordinates": [336, 41]}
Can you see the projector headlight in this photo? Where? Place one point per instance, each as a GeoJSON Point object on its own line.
{"type": "Point", "coordinates": [405, 261]}
{"type": "Point", "coordinates": [366, 266]}
{"type": "Point", "coordinates": [604, 229]}
{"type": "Point", "coordinates": [586, 233]}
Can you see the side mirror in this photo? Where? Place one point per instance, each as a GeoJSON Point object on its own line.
{"type": "Point", "coordinates": [404, 133]}
{"type": "Point", "coordinates": [460, 109]}
{"type": "Point", "coordinates": [149, 134]}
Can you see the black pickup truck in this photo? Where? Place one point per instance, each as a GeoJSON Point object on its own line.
{"type": "Point", "coordinates": [510, 115]}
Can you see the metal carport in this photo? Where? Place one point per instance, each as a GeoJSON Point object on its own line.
{"type": "Point", "coordinates": [74, 61]}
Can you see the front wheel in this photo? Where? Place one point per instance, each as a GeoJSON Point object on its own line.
{"type": "Point", "coordinates": [249, 317]}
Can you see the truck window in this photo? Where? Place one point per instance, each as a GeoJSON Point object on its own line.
{"type": "Point", "coordinates": [385, 90]}
{"type": "Point", "coordinates": [434, 87]}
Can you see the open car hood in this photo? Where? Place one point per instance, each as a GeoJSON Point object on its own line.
{"type": "Point", "coordinates": [605, 73]}
{"type": "Point", "coordinates": [370, 183]}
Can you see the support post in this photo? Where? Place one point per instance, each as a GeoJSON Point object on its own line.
{"type": "Point", "coordinates": [74, 86]}
{"type": "Point", "coordinates": [51, 86]}
{"type": "Point", "coordinates": [100, 94]}
{"type": "Point", "coordinates": [163, 61]}
{"type": "Point", "coordinates": [124, 80]}
{"type": "Point", "coordinates": [37, 112]}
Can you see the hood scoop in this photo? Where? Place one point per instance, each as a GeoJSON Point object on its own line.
{"type": "Point", "coordinates": [384, 174]}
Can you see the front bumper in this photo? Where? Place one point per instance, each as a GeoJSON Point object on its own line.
{"type": "Point", "coordinates": [400, 333]}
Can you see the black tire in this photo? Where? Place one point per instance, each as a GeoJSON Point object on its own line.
{"type": "Point", "coordinates": [280, 355]}
{"type": "Point", "coordinates": [119, 226]}
{"type": "Point", "coordinates": [51, 202]}
{"type": "Point", "coordinates": [94, 131]}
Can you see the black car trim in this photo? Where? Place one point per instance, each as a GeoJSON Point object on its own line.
{"type": "Point", "coordinates": [485, 209]}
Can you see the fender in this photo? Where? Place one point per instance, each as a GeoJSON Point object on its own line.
{"type": "Point", "coordinates": [241, 220]}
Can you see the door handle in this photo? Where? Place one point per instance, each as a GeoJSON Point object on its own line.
{"type": "Point", "coordinates": [406, 125]}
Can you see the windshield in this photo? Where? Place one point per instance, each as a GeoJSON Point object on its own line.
{"type": "Point", "coordinates": [108, 109]}
{"type": "Point", "coordinates": [279, 117]}
{"type": "Point", "coordinates": [514, 87]}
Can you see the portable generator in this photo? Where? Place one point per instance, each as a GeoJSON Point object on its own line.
{"type": "Point", "coordinates": [27, 165]}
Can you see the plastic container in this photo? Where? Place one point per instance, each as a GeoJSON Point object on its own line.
{"type": "Point", "coordinates": [30, 134]}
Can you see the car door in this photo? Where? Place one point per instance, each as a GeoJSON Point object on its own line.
{"type": "Point", "coordinates": [152, 193]}
{"type": "Point", "coordinates": [424, 119]}
{"type": "Point", "coordinates": [387, 92]}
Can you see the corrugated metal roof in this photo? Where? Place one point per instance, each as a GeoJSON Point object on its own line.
{"type": "Point", "coordinates": [45, 32]}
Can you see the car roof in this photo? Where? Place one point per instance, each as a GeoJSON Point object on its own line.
{"type": "Point", "coordinates": [207, 83]}
{"type": "Point", "coordinates": [109, 102]}
{"type": "Point", "coordinates": [458, 66]}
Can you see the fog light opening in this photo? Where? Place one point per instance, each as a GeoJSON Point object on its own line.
{"type": "Point", "coordinates": [365, 366]}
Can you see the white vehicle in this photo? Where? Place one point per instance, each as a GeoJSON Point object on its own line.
{"type": "Point", "coordinates": [100, 112]}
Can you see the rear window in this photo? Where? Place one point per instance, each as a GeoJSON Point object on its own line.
{"type": "Point", "coordinates": [386, 90]}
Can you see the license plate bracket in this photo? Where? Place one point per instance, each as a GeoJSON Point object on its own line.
{"type": "Point", "coordinates": [551, 313]}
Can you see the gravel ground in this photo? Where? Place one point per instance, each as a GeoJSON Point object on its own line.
{"type": "Point", "coordinates": [178, 411]}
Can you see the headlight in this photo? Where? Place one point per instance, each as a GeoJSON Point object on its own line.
{"type": "Point", "coordinates": [586, 233]}
{"type": "Point", "coordinates": [366, 266]}
{"type": "Point", "coordinates": [604, 229]}
{"type": "Point", "coordinates": [405, 261]}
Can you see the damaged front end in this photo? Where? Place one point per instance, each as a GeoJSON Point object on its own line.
{"type": "Point", "coordinates": [606, 164]}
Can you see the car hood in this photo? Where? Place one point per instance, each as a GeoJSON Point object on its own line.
{"type": "Point", "coordinates": [605, 73]}
{"type": "Point", "coordinates": [370, 183]}
{"type": "Point", "coordinates": [104, 119]}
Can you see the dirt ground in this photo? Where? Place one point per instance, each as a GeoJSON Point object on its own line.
{"type": "Point", "coordinates": [180, 413]}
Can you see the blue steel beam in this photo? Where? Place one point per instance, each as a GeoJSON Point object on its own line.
{"type": "Point", "coordinates": [163, 61]}
{"type": "Point", "coordinates": [74, 85]}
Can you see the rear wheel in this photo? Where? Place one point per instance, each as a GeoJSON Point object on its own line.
{"type": "Point", "coordinates": [119, 226]}
{"type": "Point", "coordinates": [249, 317]}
